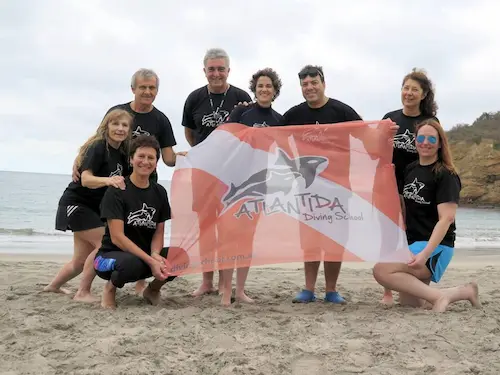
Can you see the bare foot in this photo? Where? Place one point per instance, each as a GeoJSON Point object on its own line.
{"type": "Point", "coordinates": [85, 297]}
{"type": "Point", "coordinates": [140, 286]}
{"type": "Point", "coordinates": [426, 306]}
{"type": "Point", "coordinates": [473, 289]}
{"type": "Point", "coordinates": [51, 289]}
{"type": "Point", "coordinates": [204, 289]}
{"type": "Point", "coordinates": [468, 292]}
{"type": "Point", "coordinates": [152, 296]}
{"type": "Point", "coordinates": [226, 300]}
{"type": "Point", "coordinates": [242, 297]}
{"type": "Point", "coordinates": [387, 299]}
{"type": "Point", "coordinates": [108, 296]}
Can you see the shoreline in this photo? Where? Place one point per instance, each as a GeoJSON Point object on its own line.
{"type": "Point", "coordinates": [463, 258]}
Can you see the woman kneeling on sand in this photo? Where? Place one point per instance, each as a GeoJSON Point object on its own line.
{"type": "Point", "coordinates": [431, 193]}
{"type": "Point", "coordinates": [132, 246]}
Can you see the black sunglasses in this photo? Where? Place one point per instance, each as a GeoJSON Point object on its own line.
{"type": "Point", "coordinates": [311, 72]}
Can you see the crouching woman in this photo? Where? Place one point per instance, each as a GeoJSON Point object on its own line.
{"type": "Point", "coordinates": [431, 194]}
{"type": "Point", "coordinates": [132, 246]}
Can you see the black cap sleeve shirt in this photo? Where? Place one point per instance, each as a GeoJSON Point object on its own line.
{"type": "Point", "coordinates": [405, 151]}
{"type": "Point", "coordinates": [141, 210]}
{"type": "Point", "coordinates": [204, 111]}
{"type": "Point", "coordinates": [332, 112]}
{"type": "Point", "coordinates": [154, 123]}
{"type": "Point", "coordinates": [423, 191]}
{"type": "Point", "coordinates": [103, 161]}
{"type": "Point", "coordinates": [256, 116]}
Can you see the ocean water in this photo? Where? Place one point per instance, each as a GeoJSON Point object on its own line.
{"type": "Point", "coordinates": [28, 204]}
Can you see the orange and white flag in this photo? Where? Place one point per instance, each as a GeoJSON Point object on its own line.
{"type": "Point", "coordinates": [255, 196]}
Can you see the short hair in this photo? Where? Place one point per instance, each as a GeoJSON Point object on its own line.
{"type": "Point", "coordinates": [273, 76]}
{"type": "Point", "coordinates": [216, 53]}
{"type": "Point", "coordinates": [312, 71]}
{"type": "Point", "coordinates": [145, 141]}
{"type": "Point", "coordinates": [146, 74]}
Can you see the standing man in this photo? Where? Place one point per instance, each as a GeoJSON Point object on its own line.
{"type": "Point", "coordinates": [148, 120]}
{"type": "Point", "coordinates": [206, 108]}
{"type": "Point", "coordinates": [318, 109]}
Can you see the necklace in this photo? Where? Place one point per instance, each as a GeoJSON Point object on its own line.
{"type": "Point", "coordinates": [216, 111]}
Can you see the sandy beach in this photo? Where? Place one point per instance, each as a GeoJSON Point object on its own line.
{"type": "Point", "coordinates": [44, 333]}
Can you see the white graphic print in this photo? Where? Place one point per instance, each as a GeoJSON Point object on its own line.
{"type": "Point", "coordinates": [214, 119]}
{"type": "Point", "coordinates": [139, 131]}
{"type": "Point", "coordinates": [405, 141]}
{"type": "Point", "coordinates": [411, 190]}
{"type": "Point", "coordinates": [70, 210]}
{"type": "Point", "coordinates": [142, 217]}
{"type": "Point", "coordinates": [118, 171]}
{"type": "Point", "coordinates": [263, 125]}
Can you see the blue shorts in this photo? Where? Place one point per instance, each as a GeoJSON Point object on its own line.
{"type": "Point", "coordinates": [438, 261]}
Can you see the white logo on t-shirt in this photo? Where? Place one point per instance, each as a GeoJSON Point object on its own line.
{"type": "Point", "coordinates": [118, 171]}
{"type": "Point", "coordinates": [411, 190]}
{"type": "Point", "coordinates": [405, 141]}
{"type": "Point", "coordinates": [138, 131]}
{"type": "Point", "coordinates": [142, 217]}
{"type": "Point", "coordinates": [263, 125]}
{"type": "Point", "coordinates": [214, 119]}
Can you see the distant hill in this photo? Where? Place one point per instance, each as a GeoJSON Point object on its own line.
{"type": "Point", "coordinates": [476, 151]}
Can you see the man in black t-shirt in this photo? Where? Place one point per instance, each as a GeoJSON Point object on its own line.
{"type": "Point", "coordinates": [209, 106]}
{"type": "Point", "coordinates": [148, 119]}
{"type": "Point", "coordinates": [320, 109]}
{"type": "Point", "coordinates": [205, 109]}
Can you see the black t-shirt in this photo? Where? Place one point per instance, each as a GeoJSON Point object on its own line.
{"type": "Point", "coordinates": [103, 161]}
{"type": "Point", "coordinates": [153, 123]}
{"type": "Point", "coordinates": [200, 116]}
{"type": "Point", "coordinates": [256, 116]}
{"type": "Point", "coordinates": [140, 209]}
{"type": "Point", "coordinates": [423, 191]}
{"type": "Point", "coordinates": [405, 151]}
{"type": "Point", "coordinates": [332, 112]}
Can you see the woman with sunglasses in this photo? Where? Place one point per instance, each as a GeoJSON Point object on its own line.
{"type": "Point", "coordinates": [417, 98]}
{"type": "Point", "coordinates": [265, 85]}
{"type": "Point", "coordinates": [431, 194]}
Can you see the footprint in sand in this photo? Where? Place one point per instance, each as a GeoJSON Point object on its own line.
{"type": "Point", "coordinates": [308, 365]}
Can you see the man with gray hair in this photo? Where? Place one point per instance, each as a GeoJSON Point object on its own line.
{"type": "Point", "coordinates": [205, 109]}
{"type": "Point", "coordinates": [147, 120]}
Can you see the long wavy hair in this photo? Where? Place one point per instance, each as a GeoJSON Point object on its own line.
{"type": "Point", "coordinates": [102, 132]}
{"type": "Point", "coordinates": [428, 105]}
{"type": "Point", "coordinates": [445, 159]}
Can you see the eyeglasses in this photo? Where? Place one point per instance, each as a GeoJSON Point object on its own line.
{"type": "Point", "coordinates": [432, 139]}
{"type": "Point", "coordinates": [311, 72]}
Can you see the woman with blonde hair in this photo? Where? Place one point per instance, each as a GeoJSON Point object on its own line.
{"type": "Point", "coordinates": [431, 192]}
{"type": "Point", "coordinates": [102, 161]}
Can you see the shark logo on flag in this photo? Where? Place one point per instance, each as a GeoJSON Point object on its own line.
{"type": "Point", "coordinates": [259, 196]}
{"type": "Point", "coordinates": [276, 178]}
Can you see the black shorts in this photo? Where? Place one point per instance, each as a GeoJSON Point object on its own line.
{"type": "Point", "coordinates": [77, 218]}
{"type": "Point", "coordinates": [121, 267]}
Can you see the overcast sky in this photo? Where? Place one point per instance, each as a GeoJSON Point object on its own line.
{"type": "Point", "coordinates": [64, 63]}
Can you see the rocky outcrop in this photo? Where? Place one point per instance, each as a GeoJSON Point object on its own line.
{"type": "Point", "coordinates": [476, 152]}
{"type": "Point", "coordinates": [479, 169]}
